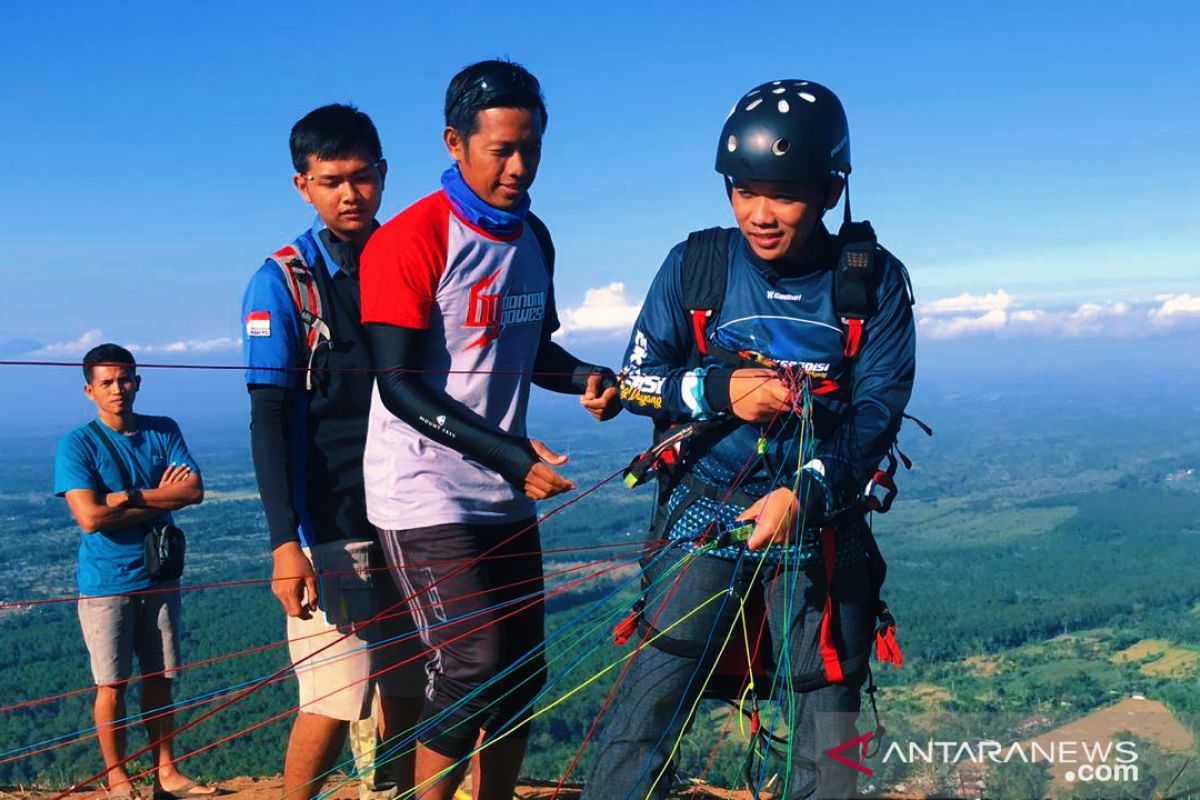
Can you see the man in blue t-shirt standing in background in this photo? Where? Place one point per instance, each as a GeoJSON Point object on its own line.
{"type": "Point", "coordinates": [122, 610]}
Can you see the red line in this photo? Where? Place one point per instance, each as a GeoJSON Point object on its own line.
{"type": "Point", "coordinates": [250, 690]}
{"type": "Point", "coordinates": [277, 677]}
{"type": "Point", "coordinates": [280, 715]}
{"type": "Point", "coordinates": [197, 587]}
{"type": "Point", "coordinates": [638, 649]}
{"type": "Point", "coordinates": [758, 642]}
{"type": "Point", "coordinates": [712, 754]}
{"type": "Point", "coordinates": [262, 648]}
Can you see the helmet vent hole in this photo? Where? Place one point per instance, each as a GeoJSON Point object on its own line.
{"type": "Point", "coordinates": [755, 103]}
{"type": "Point", "coordinates": [731, 144]}
{"type": "Point", "coordinates": [780, 147]}
{"type": "Point", "coordinates": [784, 107]}
{"type": "Point", "coordinates": [808, 97]}
{"type": "Point", "coordinates": [780, 90]}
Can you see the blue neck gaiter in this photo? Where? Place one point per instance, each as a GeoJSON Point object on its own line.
{"type": "Point", "coordinates": [495, 221]}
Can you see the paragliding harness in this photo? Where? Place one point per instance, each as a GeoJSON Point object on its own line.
{"type": "Point", "coordinates": [704, 274]}
{"type": "Point", "coordinates": [302, 286]}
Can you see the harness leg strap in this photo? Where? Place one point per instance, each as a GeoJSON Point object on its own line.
{"type": "Point", "coordinates": [829, 653]}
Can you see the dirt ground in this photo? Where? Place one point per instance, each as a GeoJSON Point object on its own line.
{"type": "Point", "coordinates": [1149, 719]}
{"type": "Point", "coordinates": [272, 788]}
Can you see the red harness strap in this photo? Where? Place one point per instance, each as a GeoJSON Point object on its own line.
{"type": "Point", "coordinates": [699, 324]}
{"type": "Point", "coordinates": [283, 255]}
{"type": "Point", "coordinates": [302, 288]}
{"type": "Point", "coordinates": [829, 653]}
{"type": "Point", "coordinates": [854, 330]}
{"type": "Point", "coordinates": [313, 302]}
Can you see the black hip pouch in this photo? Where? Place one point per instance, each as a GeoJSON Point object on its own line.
{"type": "Point", "coordinates": [165, 549]}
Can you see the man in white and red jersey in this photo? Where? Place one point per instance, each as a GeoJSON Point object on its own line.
{"type": "Point", "coordinates": [458, 297]}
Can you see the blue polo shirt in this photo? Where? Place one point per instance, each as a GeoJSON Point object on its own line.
{"type": "Point", "coordinates": [326, 426]}
{"type": "Point", "coordinates": [112, 561]}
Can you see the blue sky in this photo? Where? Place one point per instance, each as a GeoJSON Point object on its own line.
{"type": "Point", "coordinates": [1034, 164]}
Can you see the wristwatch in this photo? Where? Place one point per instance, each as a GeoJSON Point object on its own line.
{"type": "Point", "coordinates": [133, 498]}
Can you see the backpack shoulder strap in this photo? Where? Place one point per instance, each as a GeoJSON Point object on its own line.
{"type": "Point", "coordinates": [543, 236]}
{"type": "Point", "coordinates": [703, 275]}
{"type": "Point", "coordinates": [126, 481]}
{"type": "Point", "coordinates": [855, 281]}
{"type": "Point", "coordinates": [303, 288]}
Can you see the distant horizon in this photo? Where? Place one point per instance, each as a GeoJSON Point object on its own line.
{"type": "Point", "coordinates": [1145, 371]}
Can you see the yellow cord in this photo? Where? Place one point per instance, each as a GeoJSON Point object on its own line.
{"type": "Point", "coordinates": [716, 662]}
{"type": "Point", "coordinates": [435, 778]}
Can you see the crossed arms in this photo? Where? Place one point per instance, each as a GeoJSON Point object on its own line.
{"type": "Point", "coordinates": [95, 510]}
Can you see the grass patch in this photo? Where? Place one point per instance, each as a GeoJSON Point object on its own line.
{"type": "Point", "coordinates": [1160, 658]}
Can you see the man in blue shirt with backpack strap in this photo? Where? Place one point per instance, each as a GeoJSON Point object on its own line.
{"type": "Point", "coordinates": [309, 377]}
{"type": "Point", "coordinates": [776, 360]}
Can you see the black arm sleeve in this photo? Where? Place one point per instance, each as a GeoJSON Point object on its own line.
{"type": "Point", "coordinates": [268, 444]}
{"type": "Point", "coordinates": [436, 415]}
{"type": "Point", "coordinates": [557, 370]}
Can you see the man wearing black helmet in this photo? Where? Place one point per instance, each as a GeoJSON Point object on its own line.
{"type": "Point", "coordinates": [762, 501]}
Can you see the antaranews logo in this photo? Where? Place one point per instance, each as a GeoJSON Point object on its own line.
{"type": "Point", "coordinates": [1086, 761]}
{"type": "Point", "coordinates": [836, 753]}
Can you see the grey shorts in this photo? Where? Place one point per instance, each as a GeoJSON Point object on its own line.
{"type": "Point", "coordinates": [337, 661]}
{"type": "Point", "coordinates": [118, 627]}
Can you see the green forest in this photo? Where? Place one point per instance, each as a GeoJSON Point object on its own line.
{"type": "Point", "coordinates": [1037, 576]}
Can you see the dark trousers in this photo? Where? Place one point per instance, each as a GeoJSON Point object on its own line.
{"type": "Point", "coordinates": [479, 615]}
{"type": "Point", "coordinates": [651, 707]}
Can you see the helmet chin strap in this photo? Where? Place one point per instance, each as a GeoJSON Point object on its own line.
{"type": "Point", "coordinates": [846, 206]}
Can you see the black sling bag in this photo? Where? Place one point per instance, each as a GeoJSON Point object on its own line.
{"type": "Point", "coordinates": [165, 544]}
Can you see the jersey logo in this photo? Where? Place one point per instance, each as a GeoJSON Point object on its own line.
{"type": "Point", "coordinates": [484, 311]}
{"type": "Point", "coordinates": [493, 311]}
{"type": "Point", "coordinates": [258, 323]}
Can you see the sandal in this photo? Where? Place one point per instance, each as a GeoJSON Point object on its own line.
{"type": "Point", "coordinates": [191, 789]}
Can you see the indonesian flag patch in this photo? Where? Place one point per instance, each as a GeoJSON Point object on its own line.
{"type": "Point", "coordinates": [258, 323]}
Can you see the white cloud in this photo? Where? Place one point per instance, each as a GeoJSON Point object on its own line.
{"type": "Point", "coordinates": [1097, 319]}
{"type": "Point", "coordinates": [956, 327]}
{"type": "Point", "coordinates": [76, 348]}
{"type": "Point", "coordinates": [604, 310]}
{"type": "Point", "coordinates": [967, 303]}
{"type": "Point", "coordinates": [1175, 310]}
{"type": "Point", "coordinates": [220, 344]}
{"type": "Point", "coordinates": [950, 318]}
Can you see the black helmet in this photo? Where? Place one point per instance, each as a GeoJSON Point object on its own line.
{"type": "Point", "coordinates": [785, 131]}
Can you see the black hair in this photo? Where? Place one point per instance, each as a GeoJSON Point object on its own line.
{"type": "Point", "coordinates": [107, 353]}
{"type": "Point", "coordinates": [333, 131]}
{"type": "Point", "coordinates": [491, 84]}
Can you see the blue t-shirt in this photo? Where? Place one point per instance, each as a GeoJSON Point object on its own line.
{"type": "Point", "coordinates": [325, 426]}
{"type": "Point", "coordinates": [113, 561]}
